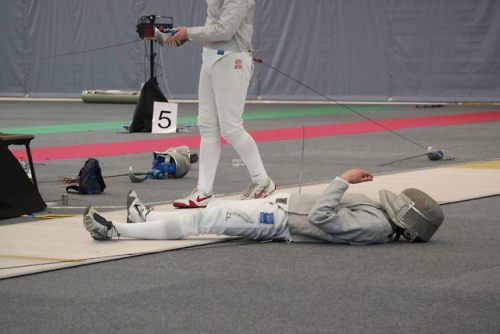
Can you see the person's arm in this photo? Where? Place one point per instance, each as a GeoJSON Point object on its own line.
{"type": "Point", "coordinates": [356, 221]}
{"type": "Point", "coordinates": [324, 210]}
{"type": "Point", "coordinates": [232, 14]}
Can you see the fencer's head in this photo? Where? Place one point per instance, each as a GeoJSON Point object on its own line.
{"type": "Point", "coordinates": [416, 213]}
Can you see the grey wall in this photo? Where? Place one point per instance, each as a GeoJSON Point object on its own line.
{"type": "Point", "coordinates": [400, 50]}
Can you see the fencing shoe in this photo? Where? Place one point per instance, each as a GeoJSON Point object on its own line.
{"type": "Point", "coordinates": [196, 199]}
{"type": "Point", "coordinates": [255, 191]}
{"type": "Point", "coordinates": [98, 226]}
{"type": "Point", "coordinates": [136, 210]}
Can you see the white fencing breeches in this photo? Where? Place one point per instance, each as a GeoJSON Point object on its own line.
{"type": "Point", "coordinates": [251, 219]}
{"type": "Point", "coordinates": [224, 80]}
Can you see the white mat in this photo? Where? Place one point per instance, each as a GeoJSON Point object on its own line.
{"type": "Point", "coordinates": [57, 243]}
{"type": "Point", "coordinates": [445, 184]}
{"type": "Point", "coordinates": [46, 245]}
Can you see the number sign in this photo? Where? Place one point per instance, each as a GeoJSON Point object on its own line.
{"type": "Point", "coordinates": [164, 117]}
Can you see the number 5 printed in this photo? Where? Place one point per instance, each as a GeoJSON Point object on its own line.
{"type": "Point", "coordinates": [164, 119]}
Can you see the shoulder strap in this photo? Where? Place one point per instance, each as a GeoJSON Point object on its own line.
{"type": "Point", "coordinates": [74, 189]}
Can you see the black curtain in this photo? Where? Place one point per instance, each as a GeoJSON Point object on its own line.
{"type": "Point", "coordinates": [143, 114]}
{"type": "Point", "coordinates": [18, 195]}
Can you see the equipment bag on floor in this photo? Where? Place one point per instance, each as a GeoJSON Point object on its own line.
{"type": "Point", "coordinates": [90, 180]}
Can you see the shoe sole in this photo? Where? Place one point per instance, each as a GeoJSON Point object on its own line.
{"type": "Point", "coordinates": [260, 197]}
{"type": "Point", "coordinates": [87, 220]}
{"type": "Point", "coordinates": [130, 199]}
{"type": "Point", "coordinates": [267, 195]}
{"type": "Point", "coordinates": [86, 217]}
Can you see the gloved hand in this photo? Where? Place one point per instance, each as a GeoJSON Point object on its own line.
{"type": "Point", "coordinates": [179, 37]}
{"type": "Point", "coordinates": [162, 37]}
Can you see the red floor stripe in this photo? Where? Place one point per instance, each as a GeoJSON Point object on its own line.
{"type": "Point", "coordinates": [315, 131]}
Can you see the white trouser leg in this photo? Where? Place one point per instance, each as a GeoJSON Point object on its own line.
{"type": "Point", "coordinates": [168, 225]}
{"type": "Point", "coordinates": [249, 153]}
{"type": "Point", "coordinates": [252, 219]}
{"type": "Point", "coordinates": [230, 77]}
{"type": "Point", "coordinates": [210, 150]}
{"type": "Point", "coordinates": [208, 123]}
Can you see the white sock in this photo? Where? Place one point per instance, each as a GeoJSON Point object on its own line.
{"type": "Point", "coordinates": [249, 154]}
{"type": "Point", "coordinates": [210, 149]}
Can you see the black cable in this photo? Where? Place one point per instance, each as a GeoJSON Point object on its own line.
{"type": "Point", "coordinates": [92, 50]}
{"type": "Point", "coordinates": [260, 61]}
{"type": "Point", "coordinates": [404, 159]}
{"type": "Point", "coordinates": [301, 172]}
{"type": "Point", "coordinates": [104, 177]}
{"type": "Point", "coordinates": [157, 64]}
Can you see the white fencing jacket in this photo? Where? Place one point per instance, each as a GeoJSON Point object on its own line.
{"type": "Point", "coordinates": [338, 218]}
{"type": "Point", "coordinates": [228, 27]}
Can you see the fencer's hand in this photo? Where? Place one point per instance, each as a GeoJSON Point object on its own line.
{"type": "Point", "coordinates": [180, 35]}
{"type": "Point", "coordinates": [357, 175]}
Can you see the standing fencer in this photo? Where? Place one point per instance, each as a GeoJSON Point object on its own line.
{"type": "Point", "coordinates": [224, 78]}
{"type": "Point", "coordinates": [330, 217]}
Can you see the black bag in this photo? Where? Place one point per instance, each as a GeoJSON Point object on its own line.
{"type": "Point", "coordinates": [90, 179]}
{"type": "Point", "coordinates": [18, 195]}
{"type": "Point", "coordinates": [143, 115]}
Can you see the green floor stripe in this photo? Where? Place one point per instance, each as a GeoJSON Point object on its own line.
{"type": "Point", "coordinates": [64, 128]}
{"type": "Point", "coordinates": [307, 112]}
{"type": "Point", "coordinates": [80, 127]}
{"type": "Point", "coordinates": [182, 120]}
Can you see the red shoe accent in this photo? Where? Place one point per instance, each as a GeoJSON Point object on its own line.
{"type": "Point", "coordinates": [191, 205]}
{"type": "Point", "coordinates": [201, 199]}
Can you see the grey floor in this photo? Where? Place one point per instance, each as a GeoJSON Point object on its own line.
{"type": "Point", "coordinates": [449, 285]}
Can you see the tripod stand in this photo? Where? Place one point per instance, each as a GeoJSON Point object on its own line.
{"type": "Point", "coordinates": [151, 91]}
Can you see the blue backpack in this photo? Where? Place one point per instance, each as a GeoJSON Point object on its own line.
{"type": "Point", "coordinates": [90, 180]}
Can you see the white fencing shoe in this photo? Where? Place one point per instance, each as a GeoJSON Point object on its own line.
{"type": "Point", "coordinates": [136, 210]}
{"type": "Point", "coordinates": [98, 226]}
{"type": "Point", "coordinates": [255, 191]}
{"type": "Point", "coordinates": [196, 199]}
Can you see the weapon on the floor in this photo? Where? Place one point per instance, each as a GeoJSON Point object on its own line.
{"type": "Point", "coordinates": [138, 177]}
{"type": "Point", "coordinates": [432, 153]}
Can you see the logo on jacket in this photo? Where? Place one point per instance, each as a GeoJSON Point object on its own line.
{"type": "Point", "coordinates": [266, 218]}
{"type": "Point", "coordinates": [238, 64]}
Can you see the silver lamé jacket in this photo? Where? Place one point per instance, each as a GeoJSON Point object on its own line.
{"type": "Point", "coordinates": [337, 217]}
